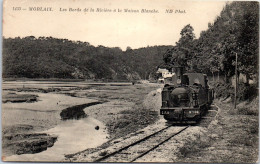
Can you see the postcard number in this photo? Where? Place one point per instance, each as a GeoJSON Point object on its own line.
{"type": "Point", "coordinates": [17, 8]}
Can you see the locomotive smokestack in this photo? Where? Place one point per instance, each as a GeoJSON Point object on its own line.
{"type": "Point", "coordinates": [179, 71]}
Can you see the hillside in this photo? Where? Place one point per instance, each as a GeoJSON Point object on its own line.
{"type": "Point", "coordinates": [47, 57]}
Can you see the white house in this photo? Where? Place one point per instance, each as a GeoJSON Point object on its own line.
{"type": "Point", "coordinates": [164, 74]}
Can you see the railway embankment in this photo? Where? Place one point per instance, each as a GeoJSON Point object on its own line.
{"type": "Point", "coordinates": [232, 137]}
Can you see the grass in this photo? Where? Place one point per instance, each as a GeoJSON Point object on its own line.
{"type": "Point", "coordinates": [131, 120]}
{"type": "Point", "coordinates": [232, 138]}
{"type": "Point", "coordinates": [247, 109]}
{"type": "Point", "coordinates": [252, 108]}
{"type": "Point", "coordinates": [196, 144]}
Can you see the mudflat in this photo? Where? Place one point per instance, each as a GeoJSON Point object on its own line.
{"type": "Point", "coordinates": [34, 126]}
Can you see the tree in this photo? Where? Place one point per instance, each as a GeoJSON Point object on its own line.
{"type": "Point", "coordinates": [187, 36]}
{"type": "Point", "coordinates": [235, 31]}
{"type": "Point", "coordinates": [183, 51]}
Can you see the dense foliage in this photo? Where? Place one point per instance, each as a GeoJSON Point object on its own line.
{"type": "Point", "coordinates": [235, 31]}
{"type": "Point", "coordinates": [47, 57]}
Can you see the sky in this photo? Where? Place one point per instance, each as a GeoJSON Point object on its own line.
{"type": "Point", "coordinates": [111, 29]}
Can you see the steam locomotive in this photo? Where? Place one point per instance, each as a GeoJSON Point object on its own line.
{"type": "Point", "coordinates": [187, 97]}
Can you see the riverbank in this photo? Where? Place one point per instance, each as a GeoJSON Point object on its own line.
{"type": "Point", "coordinates": [23, 123]}
{"type": "Point", "coordinates": [118, 109]}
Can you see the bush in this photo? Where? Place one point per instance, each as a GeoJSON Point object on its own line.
{"type": "Point", "coordinates": [247, 108]}
{"type": "Point", "coordinates": [223, 90]}
{"type": "Point", "coordinates": [244, 91]}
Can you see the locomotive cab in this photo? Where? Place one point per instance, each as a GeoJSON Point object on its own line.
{"type": "Point", "coordinates": [186, 98]}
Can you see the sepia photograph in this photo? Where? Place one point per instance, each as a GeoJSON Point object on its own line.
{"type": "Point", "coordinates": [130, 81]}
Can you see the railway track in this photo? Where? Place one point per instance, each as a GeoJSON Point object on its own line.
{"type": "Point", "coordinates": [138, 149]}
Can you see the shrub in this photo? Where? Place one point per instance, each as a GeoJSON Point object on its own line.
{"type": "Point", "coordinates": [251, 108]}
{"type": "Point", "coordinates": [244, 91]}
{"type": "Point", "coordinates": [223, 90]}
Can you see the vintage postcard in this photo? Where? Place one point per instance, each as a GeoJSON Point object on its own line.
{"type": "Point", "coordinates": [130, 81]}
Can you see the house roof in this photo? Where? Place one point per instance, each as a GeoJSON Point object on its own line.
{"type": "Point", "coordinates": [161, 70]}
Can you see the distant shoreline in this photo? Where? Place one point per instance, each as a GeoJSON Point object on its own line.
{"type": "Point", "coordinates": [61, 80]}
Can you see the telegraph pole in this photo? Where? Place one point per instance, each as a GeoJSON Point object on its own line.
{"type": "Point", "coordinates": [235, 99]}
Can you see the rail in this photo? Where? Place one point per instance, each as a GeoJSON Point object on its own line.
{"type": "Point", "coordinates": [142, 140]}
